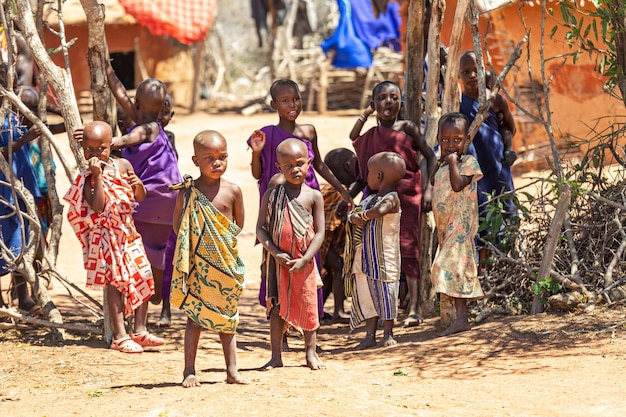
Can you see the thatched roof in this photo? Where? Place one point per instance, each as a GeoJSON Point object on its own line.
{"type": "Point", "coordinates": [73, 13]}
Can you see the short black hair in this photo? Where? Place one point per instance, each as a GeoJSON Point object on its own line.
{"type": "Point", "coordinates": [382, 84]}
{"type": "Point", "coordinates": [454, 118]}
{"type": "Point", "coordinates": [284, 82]}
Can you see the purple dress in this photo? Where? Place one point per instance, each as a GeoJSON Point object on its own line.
{"type": "Point", "coordinates": [156, 165]}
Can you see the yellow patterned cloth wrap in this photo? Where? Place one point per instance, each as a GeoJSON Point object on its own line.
{"type": "Point", "coordinates": [208, 272]}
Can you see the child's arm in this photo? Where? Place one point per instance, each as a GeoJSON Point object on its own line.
{"type": "Point", "coordinates": [320, 166]}
{"type": "Point", "coordinates": [297, 265]}
{"type": "Point", "coordinates": [178, 210]}
{"type": "Point", "coordinates": [412, 130]}
{"type": "Point", "coordinates": [390, 203]}
{"type": "Point", "coordinates": [137, 136]}
{"type": "Point", "coordinates": [263, 235]}
{"type": "Point", "coordinates": [118, 90]}
{"type": "Point", "coordinates": [138, 188]}
{"type": "Point", "coordinates": [32, 134]}
{"type": "Point", "coordinates": [94, 188]}
{"type": "Point", "coordinates": [238, 210]}
{"type": "Point", "coordinates": [502, 106]}
{"type": "Point", "coordinates": [457, 180]}
{"type": "Point", "coordinates": [257, 143]}
{"type": "Point", "coordinates": [358, 125]}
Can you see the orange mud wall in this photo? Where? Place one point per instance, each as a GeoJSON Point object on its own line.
{"type": "Point", "coordinates": [162, 57]}
{"type": "Point", "coordinates": [577, 98]}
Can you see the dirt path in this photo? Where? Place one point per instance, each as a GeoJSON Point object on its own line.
{"type": "Point", "coordinates": [563, 365]}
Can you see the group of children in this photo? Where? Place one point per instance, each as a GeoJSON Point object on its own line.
{"type": "Point", "coordinates": [127, 213]}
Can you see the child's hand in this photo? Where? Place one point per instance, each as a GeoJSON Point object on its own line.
{"type": "Point", "coordinates": [95, 166]}
{"type": "Point", "coordinates": [427, 198]}
{"type": "Point", "coordinates": [282, 258]}
{"type": "Point", "coordinates": [341, 212]}
{"type": "Point", "coordinates": [257, 141]}
{"type": "Point", "coordinates": [133, 179]}
{"type": "Point", "coordinates": [78, 135]}
{"type": "Point", "coordinates": [357, 218]}
{"type": "Point", "coordinates": [297, 265]}
{"type": "Point", "coordinates": [452, 159]}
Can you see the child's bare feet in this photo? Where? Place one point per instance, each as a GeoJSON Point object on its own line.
{"type": "Point", "coordinates": [413, 320]}
{"type": "Point", "coordinates": [388, 340]}
{"type": "Point", "coordinates": [456, 327]}
{"type": "Point", "coordinates": [273, 363]}
{"type": "Point", "coordinates": [313, 361]}
{"type": "Point", "coordinates": [190, 381]}
{"type": "Point", "coordinates": [340, 318]}
{"type": "Point", "coordinates": [166, 316]}
{"type": "Point", "coordinates": [236, 378]}
{"type": "Point", "coordinates": [368, 342]}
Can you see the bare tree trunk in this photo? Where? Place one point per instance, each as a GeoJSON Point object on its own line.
{"type": "Point", "coordinates": [97, 58]}
{"type": "Point", "coordinates": [451, 94]}
{"type": "Point", "coordinates": [551, 244]}
{"type": "Point", "coordinates": [59, 78]}
{"type": "Point", "coordinates": [414, 57]}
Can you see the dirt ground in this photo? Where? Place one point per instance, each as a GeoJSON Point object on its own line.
{"type": "Point", "coordinates": [545, 365]}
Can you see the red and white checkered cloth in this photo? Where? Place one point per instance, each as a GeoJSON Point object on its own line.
{"type": "Point", "coordinates": [188, 21]}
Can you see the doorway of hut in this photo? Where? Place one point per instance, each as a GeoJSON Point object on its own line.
{"type": "Point", "coordinates": [123, 64]}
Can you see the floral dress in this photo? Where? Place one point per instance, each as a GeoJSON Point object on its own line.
{"type": "Point", "coordinates": [456, 217]}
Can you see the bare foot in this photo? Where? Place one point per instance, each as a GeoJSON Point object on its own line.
{"type": "Point", "coordinates": [313, 361]}
{"type": "Point", "coordinates": [236, 378]}
{"type": "Point", "coordinates": [388, 340]}
{"type": "Point", "coordinates": [273, 363]}
{"type": "Point", "coordinates": [456, 327]}
{"type": "Point", "coordinates": [190, 381]}
{"type": "Point", "coordinates": [368, 342]}
{"type": "Point", "coordinates": [340, 318]}
{"type": "Point", "coordinates": [413, 320]}
{"type": "Point", "coordinates": [165, 320]}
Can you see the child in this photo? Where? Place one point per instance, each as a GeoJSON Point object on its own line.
{"type": "Point", "coordinates": [102, 200]}
{"type": "Point", "coordinates": [373, 257]}
{"type": "Point", "coordinates": [487, 147]}
{"type": "Point", "coordinates": [506, 124]}
{"type": "Point", "coordinates": [156, 164]}
{"type": "Point", "coordinates": [342, 162]}
{"type": "Point", "coordinates": [290, 228]}
{"type": "Point", "coordinates": [286, 100]}
{"type": "Point", "coordinates": [404, 138]}
{"type": "Point", "coordinates": [208, 273]}
{"type": "Point", "coordinates": [455, 206]}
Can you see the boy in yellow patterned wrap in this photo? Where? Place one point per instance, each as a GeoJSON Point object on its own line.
{"type": "Point", "coordinates": [208, 274]}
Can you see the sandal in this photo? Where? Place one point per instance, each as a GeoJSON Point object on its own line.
{"type": "Point", "coordinates": [147, 339]}
{"type": "Point", "coordinates": [126, 345]}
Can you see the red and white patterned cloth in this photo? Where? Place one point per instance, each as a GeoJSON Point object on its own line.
{"type": "Point", "coordinates": [113, 252]}
{"type": "Point", "coordinates": [188, 21]}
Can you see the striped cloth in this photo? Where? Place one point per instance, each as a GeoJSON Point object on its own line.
{"type": "Point", "coordinates": [188, 21]}
{"type": "Point", "coordinates": [290, 226]}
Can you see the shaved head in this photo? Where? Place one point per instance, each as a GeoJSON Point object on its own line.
{"type": "Point", "coordinates": [208, 139]}
{"type": "Point", "coordinates": [292, 147]}
{"type": "Point", "coordinates": [97, 130]}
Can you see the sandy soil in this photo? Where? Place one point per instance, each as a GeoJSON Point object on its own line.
{"type": "Point", "coordinates": [566, 365]}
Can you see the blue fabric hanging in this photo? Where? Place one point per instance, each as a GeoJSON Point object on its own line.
{"type": "Point", "coordinates": [350, 51]}
{"type": "Point", "coordinates": [377, 32]}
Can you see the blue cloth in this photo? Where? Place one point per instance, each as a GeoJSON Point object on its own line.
{"type": "Point", "coordinates": [384, 31]}
{"type": "Point", "coordinates": [350, 51]}
{"type": "Point", "coordinates": [488, 148]}
{"type": "Point", "coordinates": [23, 171]}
